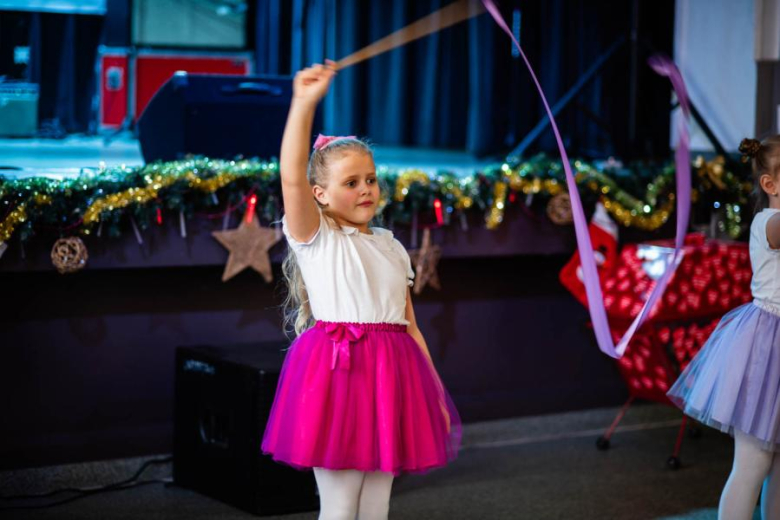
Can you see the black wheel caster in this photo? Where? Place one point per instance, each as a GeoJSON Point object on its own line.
{"type": "Point", "coordinates": [694, 432]}
{"type": "Point", "coordinates": [673, 462]}
{"type": "Point", "coordinates": [602, 443]}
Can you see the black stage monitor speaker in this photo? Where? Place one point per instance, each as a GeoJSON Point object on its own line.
{"type": "Point", "coordinates": [223, 396]}
{"type": "Point", "coordinates": [219, 116]}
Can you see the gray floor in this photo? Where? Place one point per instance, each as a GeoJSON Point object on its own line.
{"type": "Point", "coordinates": [536, 468]}
{"type": "Point", "coordinates": [65, 157]}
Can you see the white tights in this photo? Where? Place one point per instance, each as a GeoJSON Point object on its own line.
{"type": "Point", "coordinates": [752, 466]}
{"type": "Point", "coordinates": [349, 494]}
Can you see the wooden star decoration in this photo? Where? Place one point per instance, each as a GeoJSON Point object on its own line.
{"type": "Point", "coordinates": [425, 261]}
{"type": "Point", "coordinates": [248, 244]}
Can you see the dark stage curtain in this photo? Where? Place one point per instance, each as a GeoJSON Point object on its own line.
{"type": "Point", "coordinates": [63, 50]}
{"type": "Point", "coordinates": [461, 88]}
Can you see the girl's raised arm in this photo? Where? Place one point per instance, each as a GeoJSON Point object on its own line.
{"type": "Point", "coordinates": [309, 86]}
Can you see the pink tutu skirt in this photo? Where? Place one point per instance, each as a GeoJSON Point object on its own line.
{"type": "Point", "coordinates": [361, 396]}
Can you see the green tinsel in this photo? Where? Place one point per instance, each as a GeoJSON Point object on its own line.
{"type": "Point", "coordinates": [61, 205]}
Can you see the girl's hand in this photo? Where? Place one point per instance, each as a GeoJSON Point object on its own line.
{"type": "Point", "coordinates": [312, 83]}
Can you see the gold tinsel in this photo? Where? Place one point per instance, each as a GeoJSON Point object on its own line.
{"type": "Point", "coordinates": [631, 212]}
{"type": "Point", "coordinates": [496, 213]}
{"type": "Point", "coordinates": [16, 217]}
{"type": "Point", "coordinates": [213, 184]}
{"type": "Point", "coordinates": [649, 221]}
{"type": "Point", "coordinates": [406, 179]}
{"type": "Point", "coordinates": [149, 192]}
{"type": "Point", "coordinates": [648, 213]}
{"type": "Point", "coordinates": [125, 198]}
{"type": "Point", "coordinates": [19, 215]}
{"type": "Point", "coordinates": [517, 183]}
{"type": "Point", "coordinates": [451, 188]}
{"type": "Point", "coordinates": [711, 171]}
{"type": "Point", "coordinates": [520, 184]}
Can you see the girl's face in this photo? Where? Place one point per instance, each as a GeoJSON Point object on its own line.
{"type": "Point", "coordinates": [352, 193]}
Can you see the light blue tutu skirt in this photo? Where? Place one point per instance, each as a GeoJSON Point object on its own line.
{"type": "Point", "coordinates": [733, 383]}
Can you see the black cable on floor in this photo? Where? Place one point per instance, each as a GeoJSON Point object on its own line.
{"type": "Point", "coordinates": [125, 484]}
{"type": "Point", "coordinates": [85, 494]}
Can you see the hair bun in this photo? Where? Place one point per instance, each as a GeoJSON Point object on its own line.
{"type": "Point", "coordinates": [749, 148]}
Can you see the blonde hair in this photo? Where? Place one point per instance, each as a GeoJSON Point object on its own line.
{"type": "Point", "coordinates": [297, 311]}
{"type": "Point", "coordinates": [765, 160]}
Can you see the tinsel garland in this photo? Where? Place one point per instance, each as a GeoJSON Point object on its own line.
{"type": "Point", "coordinates": [76, 205]}
{"type": "Point", "coordinates": [213, 187]}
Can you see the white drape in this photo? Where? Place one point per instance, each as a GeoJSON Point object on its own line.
{"type": "Point", "coordinates": [714, 45]}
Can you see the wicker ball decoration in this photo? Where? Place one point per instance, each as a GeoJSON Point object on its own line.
{"type": "Point", "coordinates": [559, 209]}
{"type": "Point", "coordinates": [69, 255]}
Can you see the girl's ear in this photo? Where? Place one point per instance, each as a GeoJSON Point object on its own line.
{"type": "Point", "coordinates": [769, 185]}
{"type": "Point", "coordinates": [320, 195]}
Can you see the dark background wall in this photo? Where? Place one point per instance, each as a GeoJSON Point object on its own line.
{"type": "Point", "coordinates": [87, 360]}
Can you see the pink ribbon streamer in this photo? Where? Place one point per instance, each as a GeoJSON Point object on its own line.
{"type": "Point", "coordinates": [342, 335]}
{"type": "Point", "coordinates": [598, 313]}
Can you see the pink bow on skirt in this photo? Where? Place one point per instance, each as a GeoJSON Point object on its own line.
{"type": "Point", "coordinates": [342, 335]}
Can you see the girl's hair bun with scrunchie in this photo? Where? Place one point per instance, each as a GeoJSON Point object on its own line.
{"type": "Point", "coordinates": [749, 148]}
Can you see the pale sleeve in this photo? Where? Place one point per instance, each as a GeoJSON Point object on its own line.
{"type": "Point", "coordinates": [764, 236]}
{"type": "Point", "coordinates": [319, 236]}
{"type": "Point", "coordinates": [408, 262]}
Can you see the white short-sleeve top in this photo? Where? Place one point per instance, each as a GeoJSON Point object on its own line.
{"type": "Point", "coordinates": [352, 276]}
{"type": "Point", "coordinates": [765, 261]}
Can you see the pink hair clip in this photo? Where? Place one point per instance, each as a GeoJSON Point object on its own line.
{"type": "Point", "coordinates": [324, 140]}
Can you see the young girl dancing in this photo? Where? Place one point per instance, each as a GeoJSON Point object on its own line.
{"type": "Point", "coordinates": [358, 399]}
{"type": "Point", "coordinates": [733, 383]}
